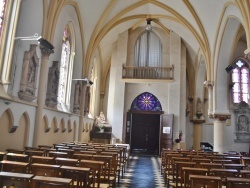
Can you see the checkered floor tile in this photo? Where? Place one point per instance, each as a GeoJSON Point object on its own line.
{"type": "Point", "coordinates": [142, 172]}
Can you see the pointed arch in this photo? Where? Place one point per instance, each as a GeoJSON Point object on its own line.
{"type": "Point", "coordinates": [56, 127]}
{"type": "Point", "coordinates": [26, 128]}
{"type": "Point", "coordinates": [46, 124]}
{"type": "Point", "coordinates": [69, 126]}
{"type": "Point", "coordinates": [62, 125]}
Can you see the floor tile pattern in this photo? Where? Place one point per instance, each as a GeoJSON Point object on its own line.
{"type": "Point", "coordinates": [142, 172]}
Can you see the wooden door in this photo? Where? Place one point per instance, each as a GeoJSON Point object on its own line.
{"type": "Point", "coordinates": [166, 131]}
{"type": "Point", "coordinates": [145, 133]}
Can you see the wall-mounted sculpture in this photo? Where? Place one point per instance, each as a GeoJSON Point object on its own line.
{"type": "Point", "coordinates": [27, 90]}
{"type": "Point", "coordinates": [77, 99]}
{"type": "Point", "coordinates": [242, 123]}
{"type": "Point", "coordinates": [52, 85]}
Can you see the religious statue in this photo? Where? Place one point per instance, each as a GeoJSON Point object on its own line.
{"type": "Point", "coordinates": [101, 121]}
{"type": "Point", "coordinates": [198, 108]}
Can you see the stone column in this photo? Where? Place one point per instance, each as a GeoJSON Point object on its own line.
{"type": "Point", "coordinates": [41, 95]}
{"type": "Point", "coordinates": [219, 124]}
{"type": "Point", "coordinates": [197, 134]}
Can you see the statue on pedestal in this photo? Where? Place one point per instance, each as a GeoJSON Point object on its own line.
{"type": "Point", "coordinates": [101, 122]}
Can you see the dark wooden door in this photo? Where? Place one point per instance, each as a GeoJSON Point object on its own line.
{"type": "Point", "coordinates": [145, 133]}
{"type": "Point", "coordinates": [166, 131]}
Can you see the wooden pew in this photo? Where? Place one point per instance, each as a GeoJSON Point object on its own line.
{"type": "Point", "coordinates": [66, 161]}
{"type": "Point", "coordinates": [19, 180]}
{"type": "Point", "coordinates": [79, 175]}
{"type": "Point", "coordinates": [42, 160]}
{"type": "Point", "coordinates": [224, 173]}
{"type": "Point", "coordinates": [50, 182]}
{"type": "Point", "coordinates": [238, 182]}
{"type": "Point", "coordinates": [187, 171]}
{"type": "Point", "coordinates": [14, 166]}
{"type": "Point", "coordinates": [208, 181]}
{"type": "Point", "coordinates": [17, 157]}
{"type": "Point", "coordinates": [45, 170]}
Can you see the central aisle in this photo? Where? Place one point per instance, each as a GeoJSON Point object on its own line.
{"type": "Point", "coordinates": [142, 172]}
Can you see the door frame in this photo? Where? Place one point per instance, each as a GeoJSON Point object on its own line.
{"type": "Point", "coordinates": [130, 126]}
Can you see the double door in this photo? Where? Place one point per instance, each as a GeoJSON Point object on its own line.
{"type": "Point", "coordinates": [145, 133]}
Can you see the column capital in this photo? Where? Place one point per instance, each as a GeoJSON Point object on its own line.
{"type": "Point", "coordinates": [209, 84]}
{"type": "Point", "coordinates": [45, 51]}
{"type": "Point", "coordinates": [220, 117]}
{"type": "Point", "coordinates": [198, 121]}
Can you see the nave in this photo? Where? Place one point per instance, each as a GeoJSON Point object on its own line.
{"type": "Point", "coordinates": [143, 171]}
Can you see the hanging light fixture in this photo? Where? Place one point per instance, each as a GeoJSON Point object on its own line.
{"type": "Point", "coordinates": [149, 26]}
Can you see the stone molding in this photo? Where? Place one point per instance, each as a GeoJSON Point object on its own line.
{"type": "Point", "coordinates": [220, 117]}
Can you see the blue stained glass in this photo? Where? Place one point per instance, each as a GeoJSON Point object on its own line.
{"type": "Point", "coordinates": [146, 102]}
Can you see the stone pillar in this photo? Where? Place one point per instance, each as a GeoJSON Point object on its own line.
{"type": "Point", "coordinates": [41, 95]}
{"type": "Point", "coordinates": [197, 134]}
{"type": "Point", "coordinates": [219, 124]}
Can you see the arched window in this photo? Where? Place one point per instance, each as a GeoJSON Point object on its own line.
{"type": "Point", "coordinates": [148, 50]}
{"type": "Point", "coordinates": [66, 66]}
{"type": "Point", "coordinates": [2, 14]}
{"type": "Point", "coordinates": [240, 82]}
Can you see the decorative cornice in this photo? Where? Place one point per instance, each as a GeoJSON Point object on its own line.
{"type": "Point", "coordinates": [220, 117]}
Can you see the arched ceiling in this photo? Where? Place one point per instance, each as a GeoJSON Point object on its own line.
{"type": "Point", "coordinates": [196, 21]}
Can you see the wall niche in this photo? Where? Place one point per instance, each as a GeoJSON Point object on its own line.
{"type": "Point", "coordinates": [27, 90]}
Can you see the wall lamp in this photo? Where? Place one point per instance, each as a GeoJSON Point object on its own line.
{"type": "Point", "coordinates": [89, 82]}
{"type": "Point", "coordinates": [41, 41]}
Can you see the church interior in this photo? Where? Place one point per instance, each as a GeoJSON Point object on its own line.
{"type": "Point", "coordinates": [151, 75]}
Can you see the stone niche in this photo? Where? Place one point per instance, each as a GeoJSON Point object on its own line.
{"type": "Point", "coordinates": [27, 90]}
{"type": "Point", "coordinates": [52, 85]}
{"type": "Point", "coordinates": [242, 123]}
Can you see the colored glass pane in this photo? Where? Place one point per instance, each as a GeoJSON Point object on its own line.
{"type": "Point", "coordinates": [2, 9]}
{"type": "Point", "coordinates": [146, 102]}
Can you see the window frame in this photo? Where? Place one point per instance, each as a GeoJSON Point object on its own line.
{"type": "Point", "coordinates": [240, 69]}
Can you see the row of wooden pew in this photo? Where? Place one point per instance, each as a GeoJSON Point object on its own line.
{"type": "Point", "coordinates": [92, 165]}
{"type": "Point", "coordinates": [191, 168]}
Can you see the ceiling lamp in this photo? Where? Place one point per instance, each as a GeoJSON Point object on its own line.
{"type": "Point", "coordinates": [149, 26]}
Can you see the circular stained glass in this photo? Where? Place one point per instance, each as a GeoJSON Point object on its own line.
{"type": "Point", "coordinates": [147, 102]}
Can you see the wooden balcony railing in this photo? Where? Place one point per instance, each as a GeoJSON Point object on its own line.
{"type": "Point", "coordinates": [159, 73]}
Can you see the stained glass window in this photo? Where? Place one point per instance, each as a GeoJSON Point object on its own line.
{"type": "Point", "coordinates": [146, 102]}
{"type": "Point", "coordinates": [240, 81]}
{"type": "Point", "coordinates": [2, 9]}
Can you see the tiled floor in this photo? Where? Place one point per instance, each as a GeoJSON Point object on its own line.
{"type": "Point", "coordinates": [142, 172]}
